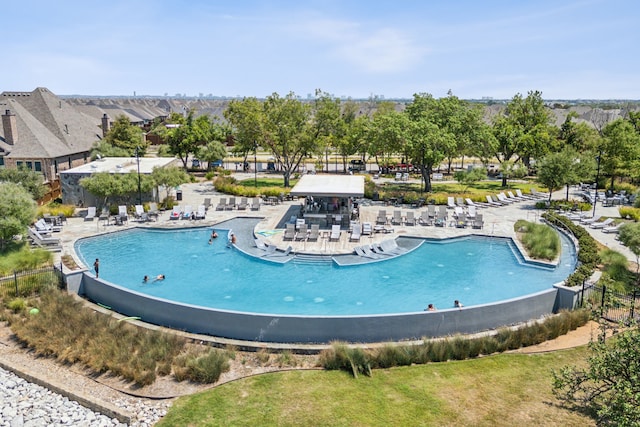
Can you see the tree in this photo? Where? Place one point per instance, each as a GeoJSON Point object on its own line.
{"type": "Point", "coordinates": [629, 236]}
{"type": "Point", "coordinates": [561, 169]}
{"type": "Point", "coordinates": [620, 149]}
{"type": "Point", "coordinates": [469, 177]}
{"type": "Point", "coordinates": [608, 387]}
{"type": "Point", "coordinates": [104, 149]}
{"type": "Point", "coordinates": [126, 136]}
{"type": "Point", "coordinates": [18, 211]}
{"type": "Point", "coordinates": [211, 152]}
{"type": "Point", "coordinates": [28, 179]}
{"type": "Point", "coordinates": [116, 187]}
{"type": "Point", "coordinates": [169, 177]}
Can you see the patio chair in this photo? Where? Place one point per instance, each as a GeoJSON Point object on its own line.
{"type": "Point", "coordinates": [391, 247]}
{"type": "Point", "coordinates": [613, 229]}
{"type": "Point", "coordinates": [243, 204]}
{"type": "Point", "coordinates": [382, 217]}
{"type": "Point", "coordinates": [475, 204]}
{"type": "Point", "coordinates": [201, 213]}
{"type": "Point", "coordinates": [425, 219]}
{"type": "Point", "coordinates": [91, 213]}
{"type": "Point", "coordinates": [43, 227]}
{"type": "Point", "coordinates": [269, 250]}
{"type": "Point", "coordinates": [461, 221]}
{"type": "Point", "coordinates": [459, 201]}
{"type": "Point", "coordinates": [289, 232]}
{"type": "Point", "coordinates": [524, 196]}
{"type": "Point", "coordinates": [471, 212]}
{"type": "Point", "coordinates": [255, 205]}
{"type": "Point", "coordinates": [512, 196]}
{"type": "Point", "coordinates": [451, 203]}
{"type": "Point", "coordinates": [356, 233]}
{"type": "Point", "coordinates": [442, 211]}
{"type": "Point", "coordinates": [367, 229]}
{"type": "Point", "coordinates": [591, 220]}
{"type": "Point", "coordinates": [122, 213]}
{"type": "Point", "coordinates": [140, 214]}
{"type": "Point", "coordinates": [314, 232]}
{"type": "Point", "coordinates": [457, 212]}
{"type": "Point", "coordinates": [231, 204]}
{"type": "Point", "coordinates": [478, 222]}
{"type": "Point", "coordinates": [397, 218]}
{"type": "Point", "coordinates": [176, 213]}
{"type": "Point", "coordinates": [503, 198]}
{"type": "Point", "coordinates": [302, 232]}
{"type": "Point", "coordinates": [188, 212]}
{"type": "Point", "coordinates": [207, 203]}
{"type": "Point", "coordinates": [410, 219]}
{"type": "Point", "coordinates": [492, 202]}
{"type": "Point", "coordinates": [359, 250]}
{"type": "Point", "coordinates": [369, 253]}
{"type": "Point", "coordinates": [335, 233]}
{"type": "Point", "coordinates": [222, 204]}
{"type": "Point", "coordinates": [260, 244]}
{"type": "Point", "coordinates": [431, 211]}
{"type": "Point", "coordinates": [153, 210]}
{"type": "Point", "coordinates": [602, 224]}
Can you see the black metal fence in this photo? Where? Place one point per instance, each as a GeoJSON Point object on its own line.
{"type": "Point", "coordinates": [24, 283]}
{"type": "Point", "coordinates": [611, 305]}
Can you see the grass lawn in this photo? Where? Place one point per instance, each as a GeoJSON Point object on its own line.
{"type": "Point", "coordinates": [501, 390]}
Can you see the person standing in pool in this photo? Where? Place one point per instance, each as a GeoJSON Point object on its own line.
{"type": "Point", "coordinates": [214, 235]}
{"type": "Point", "coordinates": [96, 267]}
{"type": "Point", "coordinates": [457, 304]}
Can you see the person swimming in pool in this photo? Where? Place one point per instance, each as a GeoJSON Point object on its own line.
{"type": "Point", "coordinates": [159, 277]}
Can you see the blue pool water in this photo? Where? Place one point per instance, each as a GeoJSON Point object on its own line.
{"type": "Point", "coordinates": [473, 270]}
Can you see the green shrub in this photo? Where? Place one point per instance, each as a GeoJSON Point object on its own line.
{"type": "Point", "coordinates": [17, 305]}
{"type": "Point", "coordinates": [341, 357]}
{"type": "Point", "coordinates": [203, 368]}
{"type": "Point", "coordinates": [540, 240]}
{"type": "Point", "coordinates": [629, 212]}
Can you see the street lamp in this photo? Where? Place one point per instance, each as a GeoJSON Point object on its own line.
{"type": "Point", "coordinates": [595, 198]}
{"type": "Point", "coordinates": [255, 163]}
{"type": "Point", "coordinates": [139, 188]}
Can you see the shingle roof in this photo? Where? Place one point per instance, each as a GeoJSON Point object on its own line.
{"type": "Point", "coordinates": [47, 125]}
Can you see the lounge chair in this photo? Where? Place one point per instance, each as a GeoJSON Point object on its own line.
{"type": "Point", "coordinates": [140, 214]}
{"type": "Point", "coordinates": [398, 176]}
{"type": "Point", "coordinates": [492, 202]}
{"type": "Point", "coordinates": [260, 244]}
{"type": "Point", "coordinates": [231, 204]}
{"type": "Point", "coordinates": [285, 253]}
{"type": "Point", "coordinates": [524, 196]}
{"type": "Point", "coordinates": [222, 204]}
{"type": "Point", "coordinates": [188, 212]}
{"type": "Point", "coordinates": [602, 224]}
{"type": "Point", "coordinates": [431, 211]}
{"type": "Point", "coordinates": [367, 229]}
{"type": "Point", "coordinates": [201, 213]}
{"type": "Point", "coordinates": [613, 229]}
{"type": "Point", "coordinates": [176, 213]}
{"type": "Point", "coordinates": [314, 232]}
{"type": "Point", "coordinates": [255, 205]}
{"type": "Point", "coordinates": [289, 232]}
{"type": "Point", "coordinates": [302, 232]}
{"type": "Point", "coordinates": [91, 213]}
{"type": "Point", "coordinates": [538, 195]}
{"type": "Point", "coordinates": [590, 220]}
{"type": "Point", "coordinates": [207, 203]}
{"type": "Point", "coordinates": [397, 218]}
{"type": "Point", "coordinates": [471, 212]}
{"type": "Point", "coordinates": [43, 227]}
{"type": "Point", "coordinates": [503, 198]}
{"type": "Point", "coordinates": [461, 221]}
{"type": "Point", "coordinates": [382, 217]}
{"type": "Point", "coordinates": [243, 204]}
{"type": "Point", "coordinates": [49, 243]}
{"type": "Point", "coordinates": [269, 250]}
{"type": "Point", "coordinates": [359, 250]}
{"type": "Point", "coordinates": [410, 219]}
{"type": "Point", "coordinates": [356, 233]}
{"type": "Point", "coordinates": [457, 212]}
{"type": "Point", "coordinates": [477, 222]}
{"type": "Point", "coordinates": [459, 201]}
{"type": "Point", "coordinates": [153, 210]}
{"type": "Point", "coordinates": [123, 216]}
{"type": "Point", "coordinates": [391, 247]}
{"type": "Point", "coordinates": [335, 233]}
{"type": "Point", "coordinates": [451, 203]}
{"type": "Point", "coordinates": [425, 219]}
{"type": "Point", "coordinates": [511, 196]}
{"type": "Point", "coordinates": [369, 253]}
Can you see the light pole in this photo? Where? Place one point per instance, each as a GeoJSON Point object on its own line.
{"type": "Point", "coordinates": [255, 164]}
{"type": "Point", "coordinates": [595, 198]}
{"type": "Point", "coordinates": [326, 158]}
{"type": "Point", "coordinates": [139, 188]}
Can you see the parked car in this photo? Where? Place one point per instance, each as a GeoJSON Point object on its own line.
{"type": "Point", "coordinates": [217, 164]}
{"type": "Point", "coordinates": [357, 166]}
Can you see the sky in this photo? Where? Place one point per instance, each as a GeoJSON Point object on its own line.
{"type": "Point", "coordinates": [571, 49]}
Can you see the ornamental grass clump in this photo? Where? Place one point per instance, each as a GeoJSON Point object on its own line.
{"type": "Point", "coordinates": [540, 240]}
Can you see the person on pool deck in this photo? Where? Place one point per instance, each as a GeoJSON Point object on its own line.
{"type": "Point", "coordinates": [159, 277]}
{"type": "Point", "coordinates": [232, 240]}
{"type": "Point", "coordinates": [457, 304]}
{"type": "Point", "coordinates": [430, 307]}
{"type": "Point", "coordinates": [214, 235]}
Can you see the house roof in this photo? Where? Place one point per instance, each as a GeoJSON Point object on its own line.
{"type": "Point", "coordinates": [46, 126]}
{"type": "Point", "coordinates": [120, 165]}
{"type": "Point", "coordinates": [329, 185]}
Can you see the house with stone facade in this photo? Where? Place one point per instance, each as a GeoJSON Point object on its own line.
{"type": "Point", "coordinates": [44, 133]}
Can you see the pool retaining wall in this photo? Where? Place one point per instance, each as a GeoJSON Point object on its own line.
{"type": "Point", "coordinates": [319, 329]}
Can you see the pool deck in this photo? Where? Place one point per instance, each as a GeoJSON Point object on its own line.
{"type": "Point", "coordinates": [267, 225]}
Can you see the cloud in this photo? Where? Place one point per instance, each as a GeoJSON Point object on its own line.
{"type": "Point", "coordinates": [385, 50]}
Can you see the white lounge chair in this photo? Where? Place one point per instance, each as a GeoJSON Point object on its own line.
{"type": "Point", "coordinates": [524, 196]}
{"type": "Point", "coordinates": [314, 232]}
{"type": "Point", "coordinates": [201, 213]}
{"type": "Point", "coordinates": [356, 233]}
{"type": "Point", "coordinates": [602, 224]}
{"type": "Point", "coordinates": [491, 202]}
{"type": "Point", "coordinates": [410, 219]}
{"type": "Point", "coordinates": [140, 214]}
{"type": "Point", "coordinates": [591, 220]}
{"type": "Point", "coordinates": [243, 204]}
{"type": "Point", "coordinates": [176, 213]}
{"type": "Point", "coordinates": [613, 229]}
{"type": "Point", "coordinates": [255, 205]}
{"type": "Point", "coordinates": [122, 213]}
{"type": "Point", "coordinates": [260, 244]}
{"type": "Point", "coordinates": [397, 218]}
{"type": "Point", "coordinates": [153, 210]}
{"type": "Point", "coordinates": [335, 233]}
{"type": "Point", "coordinates": [221, 204]}
{"type": "Point", "coordinates": [289, 232]}
{"type": "Point", "coordinates": [91, 213]}
{"type": "Point", "coordinates": [451, 202]}
{"type": "Point", "coordinates": [188, 212]}
{"type": "Point", "coordinates": [367, 229]}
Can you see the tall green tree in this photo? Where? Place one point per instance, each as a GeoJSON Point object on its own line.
{"type": "Point", "coordinates": [126, 136]}
{"type": "Point", "coordinates": [116, 187]}
{"type": "Point", "coordinates": [28, 179]}
{"type": "Point", "coordinates": [169, 177]}
{"type": "Point", "coordinates": [18, 211]}
{"type": "Point", "coordinates": [620, 150]}
{"type": "Point", "coordinates": [564, 168]}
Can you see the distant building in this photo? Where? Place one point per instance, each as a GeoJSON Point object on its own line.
{"type": "Point", "coordinates": [44, 133]}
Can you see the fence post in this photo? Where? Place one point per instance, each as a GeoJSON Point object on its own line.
{"type": "Point", "coordinates": [604, 292]}
{"type": "Point", "coordinates": [633, 303]}
{"type": "Point", "coordinates": [15, 281]}
{"type": "Point", "coordinates": [582, 294]}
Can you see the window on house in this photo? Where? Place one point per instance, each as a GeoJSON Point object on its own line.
{"type": "Point", "coordinates": [30, 166]}
{"type": "Point", "coordinates": [38, 166]}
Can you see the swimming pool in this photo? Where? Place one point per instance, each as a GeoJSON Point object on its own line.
{"type": "Point", "coordinates": [474, 270]}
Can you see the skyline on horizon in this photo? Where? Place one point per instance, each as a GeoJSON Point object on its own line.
{"type": "Point", "coordinates": [573, 50]}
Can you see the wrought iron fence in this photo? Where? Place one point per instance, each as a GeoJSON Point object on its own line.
{"type": "Point", "coordinates": [28, 282]}
{"type": "Point", "coordinates": [611, 305]}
